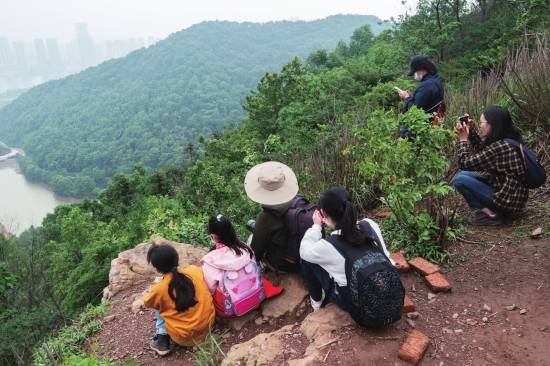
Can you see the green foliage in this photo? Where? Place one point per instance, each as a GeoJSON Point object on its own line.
{"type": "Point", "coordinates": [209, 353]}
{"type": "Point", "coordinates": [66, 346]}
{"type": "Point", "coordinates": [80, 131]}
{"type": "Point", "coordinates": [409, 173]}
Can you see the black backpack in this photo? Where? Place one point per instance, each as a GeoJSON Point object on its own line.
{"type": "Point", "coordinates": [298, 218]}
{"type": "Point", "coordinates": [375, 289]}
{"type": "Point", "coordinates": [535, 176]}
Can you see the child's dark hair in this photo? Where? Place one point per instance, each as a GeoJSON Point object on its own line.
{"type": "Point", "coordinates": [222, 227]}
{"type": "Point", "coordinates": [181, 289]}
{"type": "Point", "coordinates": [335, 202]}
{"type": "Point", "coordinates": [501, 124]}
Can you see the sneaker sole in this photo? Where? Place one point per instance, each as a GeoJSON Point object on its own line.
{"type": "Point", "coordinates": [159, 352]}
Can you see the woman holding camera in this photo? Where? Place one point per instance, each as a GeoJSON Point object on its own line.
{"type": "Point", "coordinates": [492, 169]}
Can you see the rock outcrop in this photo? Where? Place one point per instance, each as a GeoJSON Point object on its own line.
{"type": "Point", "coordinates": [318, 327]}
{"type": "Point", "coordinates": [131, 267]}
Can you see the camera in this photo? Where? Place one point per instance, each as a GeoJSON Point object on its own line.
{"type": "Point", "coordinates": [465, 120]}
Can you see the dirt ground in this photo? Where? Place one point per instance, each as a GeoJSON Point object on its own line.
{"type": "Point", "coordinates": [490, 270]}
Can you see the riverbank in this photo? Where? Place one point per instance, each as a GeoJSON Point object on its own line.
{"type": "Point", "coordinates": [23, 203]}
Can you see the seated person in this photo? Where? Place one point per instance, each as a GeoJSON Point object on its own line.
{"type": "Point", "coordinates": [230, 264]}
{"type": "Point", "coordinates": [492, 169]}
{"type": "Point", "coordinates": [325, 260]}
{"type": "Point", "coordinates": [183, 305]}
{"type": "Point", "coordinates": [284, 219]}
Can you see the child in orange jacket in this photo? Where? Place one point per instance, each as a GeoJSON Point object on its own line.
{"type": "Point", "coordinates": [184, 308]}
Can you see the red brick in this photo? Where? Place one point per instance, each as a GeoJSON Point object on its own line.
{"type": "Point", "coordinates": [414, 347]}
{"type": "Point", "coordinates": [423, 266]}
{"type": "Point", "coordinates": [400, 262]}
{"type": "Point", "coordinates": [408, 305]}
{"type": "Point", "coordinates": [382, 214]}
{"type": "Point", "coordinates": [438, 282]}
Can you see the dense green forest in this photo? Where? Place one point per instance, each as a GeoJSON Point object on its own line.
{"type": "Point", "coordinates": [151, 106]}
{"type": "Point", "coordinates": [334, 118]}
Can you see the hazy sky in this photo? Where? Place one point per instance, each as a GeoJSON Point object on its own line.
{"type": "Point", "coordinates": [119, 19]}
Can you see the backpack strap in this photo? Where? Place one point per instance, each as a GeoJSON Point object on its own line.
{"type": "Point", "coordinates": [365, 227]}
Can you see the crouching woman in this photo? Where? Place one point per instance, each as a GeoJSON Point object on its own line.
{"type": "Point", "coordinates": [184, 310]}
{"type": "Point", "coordinates": [491, 179]}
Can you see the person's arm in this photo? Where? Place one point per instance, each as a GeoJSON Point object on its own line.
{"type": "Point", "coordinates": [260, 236]}
{"type": "Point", "coordinates": [211, 276]}
{"type": "Point", "coordinates": [152, 297]}
{"type": "Point", "coordinates": [482, 160]}
{"type": "Point", "coordinates": [421, 98]}
{"type": "Point", "coordinates": [309, 246]}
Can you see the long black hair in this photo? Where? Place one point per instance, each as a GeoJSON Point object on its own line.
{"type": "Point", "coordinates": [501, 124]}
{"type": "Point", "coordinates": [180, 289]}
{"type": "Point", "coordinates": [337, 204]}
{"type": "Point", "coordinates": [222, 227]}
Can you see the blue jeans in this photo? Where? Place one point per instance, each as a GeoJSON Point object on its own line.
{"type": "Point", "coordinates": [160, 323]}
{"type": "Point", "coordinates": [317, 279]}
{"type": "Point", "coordinates": [476, 192]}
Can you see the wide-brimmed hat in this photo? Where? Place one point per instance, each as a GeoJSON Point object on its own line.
{"type": "Point", "coordinates": [271, 183]}
{"type": "Point", "coordinates": [422, 62]}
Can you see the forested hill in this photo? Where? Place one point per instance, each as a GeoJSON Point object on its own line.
{"type": "Point", "coordinates": [148, 107]}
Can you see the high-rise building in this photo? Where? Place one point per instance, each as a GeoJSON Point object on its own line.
{"type": "Point", "coordinates": [54, 58]}
{"type": "Point", "coordinates": [41, 54]}
{"type": "Point", "coordinates": [21, 58]}
{"type": "Point", "coordinates": [85, 45]}
{"type": "Point", "coordinates": [6, 59]}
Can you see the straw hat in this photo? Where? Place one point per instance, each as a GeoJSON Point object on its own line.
{"type": "Point", "coordinates": [271, 183]}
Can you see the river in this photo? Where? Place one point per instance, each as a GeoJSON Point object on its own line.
{"type": "Point", "coordinates": [23, 203]}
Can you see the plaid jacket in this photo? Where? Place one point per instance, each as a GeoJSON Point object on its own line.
{"type": "Point", "coordinates": [501, 165]}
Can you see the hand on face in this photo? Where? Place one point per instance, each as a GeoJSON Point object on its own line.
{"type": "Point", "coordinates": [317, 218]}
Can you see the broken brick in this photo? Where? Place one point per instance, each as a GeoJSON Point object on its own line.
{"type": "Point", "coordinates": [400, 262]}
{"type": "Point", "coordinates": [414, 347]}
{"type": "Point", "coordinates": [408, 305]}
{"type": "Point", "coordinates": [383, 214]}
{"type": "Point", "coordinates": [423, 266]}
{"type": "Point", "coordinates": [438, 282]}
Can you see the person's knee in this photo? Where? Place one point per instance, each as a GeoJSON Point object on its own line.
{"type": "Point", "coordinates": [461, 179]}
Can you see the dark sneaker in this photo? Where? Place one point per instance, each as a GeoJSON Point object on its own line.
{"type": "Point", "coordinates": [161, 344]}
{"type": "Point", "coordinates": [481, 219]}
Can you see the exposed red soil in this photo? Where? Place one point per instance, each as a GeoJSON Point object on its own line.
{"type": "Point", "coordinates": [494, 267]}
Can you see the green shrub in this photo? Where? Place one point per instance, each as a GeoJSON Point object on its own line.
{"type": "Point", "coordinates": [409, 174]}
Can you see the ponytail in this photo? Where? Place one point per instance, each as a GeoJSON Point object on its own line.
{"type": "Point", "coordinates": [222, 227]}
{"type": "Point", "coordinates": [348, 225]}
{"type": "Point", "coordinates": [181, 290]}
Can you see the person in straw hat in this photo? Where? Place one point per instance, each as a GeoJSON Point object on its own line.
{"type": "Point", "coordinates": [275, 187]}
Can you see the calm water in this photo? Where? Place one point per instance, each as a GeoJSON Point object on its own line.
{"type": "Point", "coordinates": [22, 203]}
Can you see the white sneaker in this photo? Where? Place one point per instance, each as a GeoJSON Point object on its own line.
{"type": "Point", "coordinates": [316, 305]}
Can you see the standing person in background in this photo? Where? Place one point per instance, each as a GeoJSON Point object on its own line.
{"type": "Point", "coordinates": [491, 179]}
{"type": "Point", "coordinates": [183, 305]}
{"type": "Point", "coordinates": [430, 94]}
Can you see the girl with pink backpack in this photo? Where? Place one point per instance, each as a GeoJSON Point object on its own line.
{"type": "Point", "coordinates": [230, 271]}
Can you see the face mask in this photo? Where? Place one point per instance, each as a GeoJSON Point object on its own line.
{"type": "Point", "coordinates": [418, 77]}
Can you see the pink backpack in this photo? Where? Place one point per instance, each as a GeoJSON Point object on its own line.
{"type": "Point", "coordinates": [240, 291]}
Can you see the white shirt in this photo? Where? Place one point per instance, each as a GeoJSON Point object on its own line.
{"type": "Point", "coordinates": [315, 249]}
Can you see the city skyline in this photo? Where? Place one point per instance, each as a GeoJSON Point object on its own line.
{"type": "Point", "coordinates": [24, 64]}
{"type": "Point", "coordinates": [130, 18]}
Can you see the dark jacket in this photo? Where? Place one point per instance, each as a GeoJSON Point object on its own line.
{"type": "Point", "coordinates": [429, 94]}
{"type": "Point", "coordinates": [501, 166]}
{"type": "Point", "coordinates": [269, 241]}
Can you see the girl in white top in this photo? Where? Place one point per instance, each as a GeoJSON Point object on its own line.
{"type": "Point", "coordinates": [323, 266]}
